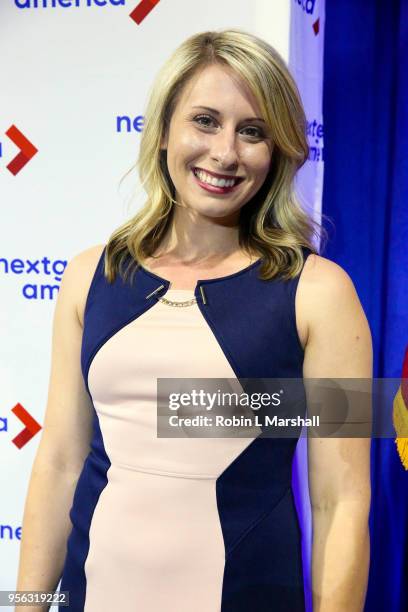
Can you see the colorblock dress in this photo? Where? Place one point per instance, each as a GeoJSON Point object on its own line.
{"type": "Point", "coordinates": [183, 524]}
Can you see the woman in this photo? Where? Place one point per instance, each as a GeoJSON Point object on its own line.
{"type": "Point", "coordinates": [215, 277]}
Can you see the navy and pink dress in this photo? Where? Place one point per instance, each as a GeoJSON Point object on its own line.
{"type": "Point", "coordinates": [183, 524]}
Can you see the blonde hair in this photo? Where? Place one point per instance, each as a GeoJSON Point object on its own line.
{"type": "Point", "coordinates": [272, 223]}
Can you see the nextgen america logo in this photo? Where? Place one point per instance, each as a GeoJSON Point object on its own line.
{"type": "Point", "coordinates": [130, 124]}
{"type": "Point", "coordinates": [35, 4]}
{"type": "Point", "coordinates": [315, 137]}
{"type": "Point", "coordinates": [306, 5]}
{"type": "Point", "coordinates": [36, 290]}
{"type": "Point", "coordinates": [10, 532]}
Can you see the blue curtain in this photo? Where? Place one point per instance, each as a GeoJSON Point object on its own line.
{"type": "Point", "coordinates": [365, 109]}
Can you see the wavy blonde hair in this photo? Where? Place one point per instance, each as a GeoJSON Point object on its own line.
{"type": "Point", "coordinates": [272, 223]}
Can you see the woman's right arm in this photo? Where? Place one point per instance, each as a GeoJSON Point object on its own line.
{"type": "Point", "coordinates": [65, 439]}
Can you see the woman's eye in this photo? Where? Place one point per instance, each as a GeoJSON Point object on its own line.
{"type": "Point", "coordinates": [258, 132]}
{"type": "Point", "coordinates": [202, 117]}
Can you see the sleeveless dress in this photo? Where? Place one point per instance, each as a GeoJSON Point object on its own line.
{"type": "Point", "coordinates": [183, 524]}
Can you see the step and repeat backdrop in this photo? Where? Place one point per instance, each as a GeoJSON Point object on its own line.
{"type": "Point", "coordinates": [75, 77]}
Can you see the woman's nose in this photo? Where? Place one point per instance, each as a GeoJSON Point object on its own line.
{"type": "Point", "coordinates": [224, 148]}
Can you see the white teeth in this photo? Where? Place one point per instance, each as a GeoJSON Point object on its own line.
{"type": "Point", "coordinates": [211, 180]}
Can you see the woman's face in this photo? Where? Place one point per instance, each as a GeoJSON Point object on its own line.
{"type": "Point", "coordinates": [227, 138]}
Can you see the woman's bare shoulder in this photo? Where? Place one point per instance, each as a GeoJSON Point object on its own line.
{"type": "Point", "coordinates": [323, 272]}
{"type": "Point", "coordinates": [322, 285]}
{"type": "Point", "coordinates": [78, 276]}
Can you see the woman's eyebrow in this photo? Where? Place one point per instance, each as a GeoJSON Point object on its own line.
{"type": "Point", "coordinates": [217, 112]}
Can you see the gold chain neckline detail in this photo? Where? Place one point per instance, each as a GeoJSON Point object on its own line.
{"type": "Point", "coordinates": [174, 303]}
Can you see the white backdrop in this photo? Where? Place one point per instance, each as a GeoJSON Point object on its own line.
{"type": "Point", "coordinates": [75, 75]}
{"type": "Point", "coordinates": [306, 54]}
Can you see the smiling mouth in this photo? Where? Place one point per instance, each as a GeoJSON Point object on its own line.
{"type": "Point", "coordinates": [216, 181]}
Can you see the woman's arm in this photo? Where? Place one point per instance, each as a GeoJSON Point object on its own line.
{"type": "Point", "coordinates": [64, 442]}
{"type": "Point", "coordinates": [338, 346]}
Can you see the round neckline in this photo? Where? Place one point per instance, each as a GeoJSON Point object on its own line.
{"type": "Point", "coordinates": [203, 280]}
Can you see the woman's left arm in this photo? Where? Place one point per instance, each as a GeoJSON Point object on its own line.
{"type": "Point", "coordinates": [339, 345]}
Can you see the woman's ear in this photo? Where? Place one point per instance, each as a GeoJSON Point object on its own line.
{"type": "Point", "coordinates": [272, 156]}
{"type": "Point", "coordinates": [163, 142]}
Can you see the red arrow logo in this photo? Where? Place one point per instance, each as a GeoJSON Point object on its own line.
{"type": "Point", "coordinates": [31, 426]}
{"type": "Point", "coordinates": [142, 10]}
{"type": "Point", "coordinates": [27, 150]}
